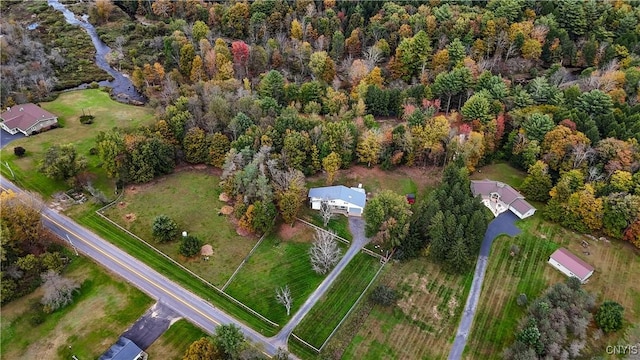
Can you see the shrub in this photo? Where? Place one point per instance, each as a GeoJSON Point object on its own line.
{"type": "Point", "coordinates": [164, 228]}
{"type": "Point", "coordinates": [384, 295]}
{"type": "Point", "coordinates": [609, 316]}
{"type": "Point", "coordinates": [86, 119]}
{"type": "Point", "coordinates": [19, 151]}
{"type": "Point", "coordinates": [93, 151]}
{"type": "Point", "coordinates": [190, 246]}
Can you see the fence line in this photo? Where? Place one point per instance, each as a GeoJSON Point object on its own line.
{"type": "Point", "coordinates": [306, 343]}
{"type": "Point", "coordinates": [352, 307]}
{"type": "Point", "coordinates": [236, 301]}
{"type": "Point", "coordinates": [319, 228]}
{"type": "Point", "coordinates": [243, 262]}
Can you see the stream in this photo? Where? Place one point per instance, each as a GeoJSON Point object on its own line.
{"type": "Point", "coordinates": [122, 87]}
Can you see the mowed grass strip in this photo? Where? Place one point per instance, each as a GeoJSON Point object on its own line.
{"type": "Point", "coordinates": [274, 264]}
{"type": "Point", "coordinates": [423, 323]}
{"type": "Point", "coordinates": [173, 344]}
{"type": "Point", "coordinates": [498, 314]}
{"type": "Point", "coordinates": [191, 199]}
{"type": "Point", "coordinates": [104, 308]}
{"type": "Point", "coordinates": [316, 327]}
{"type": "Point", "coordinates": [69, 107]}
{"type": "Point", "coordinates": [508, 276]}
{"type": "Point", "coordinates": [172, 271]}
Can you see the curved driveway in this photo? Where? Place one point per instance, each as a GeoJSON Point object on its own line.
{"type": "Point", "coordinates": [503, 224]}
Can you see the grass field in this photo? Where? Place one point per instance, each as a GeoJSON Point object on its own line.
{"type": "Point", "coordinates": [422, 324]}
{"type": "Point", "coordinates": [616, 264]}
{"type": "Point", "coordinates": [338, 223]}
{"type": "Point", "coordinates": [402, 180]}
{"type": "Point", "coordinates": [500, 172]}
{"type": "Point", "coordinates": [276, 263]}
{"type": "Point", "coordinates": [191, 199]}
{"type": "Point", "coordinates": [175, 341]}
{"type": "Point", "coordinates": [68, 107]}
{"type": "Point", "coordinates": [104, 308]}
{"type": "Point", "coordinates": [316, 327]}
{"type": "Point", "coordinates": [159, 263]}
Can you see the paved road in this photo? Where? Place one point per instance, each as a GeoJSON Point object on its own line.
{"type": "Point", "coordinates": [183, 302]}
{"type": "Point", "coordinates": [356, 225]}
{"type": "Point", "coordinates": [503, 224]}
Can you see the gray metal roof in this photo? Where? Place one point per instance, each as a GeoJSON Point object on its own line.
{"type": "Point", "coordinates": [339, 192]}
{"type": "Point", "coordinates": [123, 349]}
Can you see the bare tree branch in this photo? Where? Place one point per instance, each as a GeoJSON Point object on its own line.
{"type": "Point", "coordinates": [283, 295]}
{"type": "Point", "coordinates": [325, 252]}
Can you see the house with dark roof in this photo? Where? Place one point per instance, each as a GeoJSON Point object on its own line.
{"type": "Point", "coordinates": [500, 197]}
{"type": "Point", "coordinates": [124, 349]}
{"type": "Point", "coordinates": [571, 265]}
{"type": "Point", "coordinates": [28, 119]}
{"type": "Point", "coordinates": [349, 201]}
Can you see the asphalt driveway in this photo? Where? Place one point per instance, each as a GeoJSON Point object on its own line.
{"type": "Point", "coordinates": [151, 325]}
{"type": "Point", "coordinates": [503, 224]}
{"type": "Point", "coordinates": [6, 138]}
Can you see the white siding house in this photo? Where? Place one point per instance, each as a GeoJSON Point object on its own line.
{"type": "Point", "coordinates": [500, 197]}
{"type": "Point", "coordinates": [341, 199]}
{"type": "Point", "coordinates": [28, 119]}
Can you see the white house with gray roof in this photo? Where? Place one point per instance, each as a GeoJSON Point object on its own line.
{"type": "Point", "coordinates": [500, 197]}
{"type": "Point", "coordinates": [349, 201]}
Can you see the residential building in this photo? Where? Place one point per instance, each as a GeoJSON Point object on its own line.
{"type": "Point", "coordinates": [28, 119]}
{"type": "Point", "coordinates": [349, 201]}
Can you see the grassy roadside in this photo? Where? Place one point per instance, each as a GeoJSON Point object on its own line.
{"type": "Point", "coordinates": [73, 330]}
{"type": "Point", "coordinates": [159, 263]}
{"type": "Point", "coordinates": [175, 341]}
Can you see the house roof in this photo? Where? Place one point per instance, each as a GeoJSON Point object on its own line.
{"type": "Point", "coordinates": [570, 261]}
{"type": "Point", "coordinates": [123, 349]}
{"type": "Point", "coordinates": [521, 205]}
{"type": "Point", "coordinates": [508, 195]}
{"type": "Point", "coordinates": [340, 192]}
{"type": "Point", "coordinates": [24, 116]}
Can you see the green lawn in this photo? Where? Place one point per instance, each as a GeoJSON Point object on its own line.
{"type": "Point", "coordinates": [104, 308]}
{"type": "Point", "coordinates": [616, 263]}
{"type": "Point", "coordinates": [175, 341]}
{"type": "Point", "coordinates": [68, 107]}
{"type": "Point", "coordinates": [191, 199]}
{"type": "Point", "coordinates": [506, 278]}
{"type": "Point", "coordinates": [421, 326]}
{"type": "Point", "coordinates": [316, 327]}
{"type": "Point", "coordinates": [339, 223]}
{"type": "Point", "coordinates": [159, 263]}
{"type": "Point", "coordinates": [275, 263]}
{"type": "Point", "coordinates": [501, 172]}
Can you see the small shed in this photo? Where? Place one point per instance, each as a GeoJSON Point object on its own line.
{"type": "Point", "coordinates": [206, 250]}
{"type": "Point", "coordinates": [571, 265]}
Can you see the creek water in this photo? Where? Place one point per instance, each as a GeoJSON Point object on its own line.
{"type": "Point", "coordinates": [122, 87]}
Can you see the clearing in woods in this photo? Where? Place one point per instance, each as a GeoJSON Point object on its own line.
{"type": "Point", "coordinates": [191, 199]}
{"type": "Point", "coordinates": [421, 325]}
{"type": "Point", "coordinates": [617, 265]}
